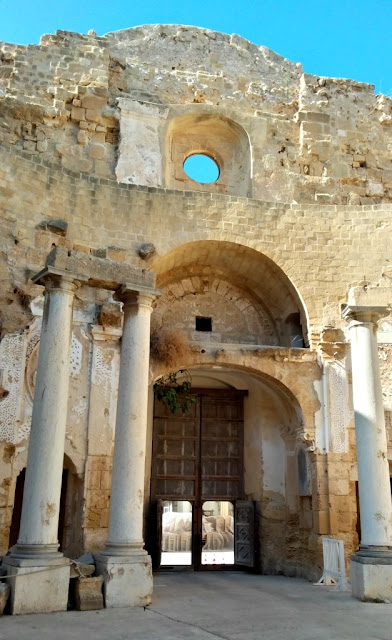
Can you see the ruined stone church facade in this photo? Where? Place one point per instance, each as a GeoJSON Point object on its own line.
{"type": "Point", "coordinates": [269, 289]}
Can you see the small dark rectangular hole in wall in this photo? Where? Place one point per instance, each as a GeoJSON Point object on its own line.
{"type": "Point", "coordinates": [203, 324]}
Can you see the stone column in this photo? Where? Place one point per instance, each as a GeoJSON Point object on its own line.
{"type": "Point", "coordinates": [371, 566]}
{"type": "Point", "coordinates": [125, 565]}
{"type": "Point", "coordinates": [43, 573]}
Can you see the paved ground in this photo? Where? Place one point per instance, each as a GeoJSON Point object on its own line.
{"type": "Point", "coordinates": [211, 606]}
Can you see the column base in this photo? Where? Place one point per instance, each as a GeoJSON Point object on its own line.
{"type": "Point", "coordinates": [37, 585]}
{"type": "Point", "coordinates": [127, 579]}
{"type": "Point", "coordinates": [371, 577]}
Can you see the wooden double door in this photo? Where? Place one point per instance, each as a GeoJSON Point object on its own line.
{"type": "Point", "coordinates": [199, 518]}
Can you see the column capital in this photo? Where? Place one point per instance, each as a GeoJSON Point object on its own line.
{"type": "Point", "coordinates": [138, 296]}
{"type": "Point", "coordinates": [364, 314]}
{"type": "Point", "coordinates": [53, 278]}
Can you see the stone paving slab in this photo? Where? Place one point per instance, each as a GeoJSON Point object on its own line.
{"type": "Point", "coordinates": [226, 606]}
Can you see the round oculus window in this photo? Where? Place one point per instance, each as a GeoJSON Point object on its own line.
{"type": "Point", "coordinates": [201, 168]}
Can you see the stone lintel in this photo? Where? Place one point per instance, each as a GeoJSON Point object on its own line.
{"type": "Point", "coordinates": [225, 350]}
{"type": "Point", "coordinates": [370, 296]}
{"type": "Point", "coordinates": [52, 273]}
{"type": "Point", "coordinates": [99, 272]}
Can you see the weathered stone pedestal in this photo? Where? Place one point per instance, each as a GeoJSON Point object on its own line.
{"type": "Point", "coordinates": [128, 579]}
{"type": "Point", "coordinates": [38, 586]}
{"type": "Point", "coordinates": [371, 577]}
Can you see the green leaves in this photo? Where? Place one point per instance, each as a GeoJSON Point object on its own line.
{"type": "Point", "coordinates": [175, 395]}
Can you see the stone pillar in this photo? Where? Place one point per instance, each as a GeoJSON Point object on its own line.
{"type": "Point", "coordinates": [371, 566]}
{"type": "Point", "coordinates": [125, 564]}
{"type": "Point", "coordinates": [105, 361]}
{"type": "Point", "coordinates": [41, 583]}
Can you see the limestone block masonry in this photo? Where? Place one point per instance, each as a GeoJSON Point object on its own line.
{"type": "Point", "coordinates": [118, 269]}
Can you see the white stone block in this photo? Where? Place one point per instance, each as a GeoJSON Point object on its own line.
{"type": "Point", "coordinates": [371, 582]}
{"type": "Point", "coordinates": [127, 580]}
{"type": "Point", "coordinates": [37, 589]}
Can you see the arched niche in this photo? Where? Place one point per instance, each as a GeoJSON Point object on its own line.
{"type": "Point", "coordinates": [218, 138]}
{"type": "Point", "coordinates": [246, 296]}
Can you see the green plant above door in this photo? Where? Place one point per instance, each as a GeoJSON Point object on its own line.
{"type": "Point", "coordinates": [174, 394]}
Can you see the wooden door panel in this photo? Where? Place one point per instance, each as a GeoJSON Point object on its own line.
{"type": "Point", "coordinates": [158, 549]}
{"type": "Point", "coordinates": [219, 489]}
{"type": "Point", "coordinates": [218, 429]}
{"type": "Point", "coordinates": [162, 411]}
{"type": "Point", "coordinates": [244, 525]}
{"type": "Point", "coordinates": [220, 449]}
{"type": "Point", "coordinates": [175, 488]}
{"type": "Point", "coordinates": [180, 447]}
{"type": "Point", "coordinates": [221, 446]}
{"type": "Point", "coordinates": [198, 456]}
{"type": "Point", "coordinates": [222, 408]}
{"type": "Point", "coordinates": [221, 468]}
{"type": "Point", "coordinates": [175, 467]}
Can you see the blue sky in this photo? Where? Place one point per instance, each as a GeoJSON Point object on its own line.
{"type": "Point", "coordinates": [346, 38]}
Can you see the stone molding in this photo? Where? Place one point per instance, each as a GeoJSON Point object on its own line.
{"type": "Point", "coordinates": [96, 272]}
{"type": "Point", "coordinates": [365, 314]}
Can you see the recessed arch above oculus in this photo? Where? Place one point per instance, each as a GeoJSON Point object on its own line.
{"type": "Point", "coordinates": [200, 133]}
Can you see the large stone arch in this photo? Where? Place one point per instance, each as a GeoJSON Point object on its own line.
{"type": "Point", "coordinates": [278, 427]}
{"type": "Point", "coordinates": [232, 261]}
{"type": "Point", "coordinates": [291, 373]}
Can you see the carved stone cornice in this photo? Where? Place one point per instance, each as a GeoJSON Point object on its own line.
{"type": "Point", "coordinates": [53, 278]}
{"type": "Point", "coordinates": [356, 314]}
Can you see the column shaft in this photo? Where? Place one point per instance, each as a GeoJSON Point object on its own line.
{"type": "Point", "coordinates": [126, 505]}
{"type": "Point", "coordinates": [41, 500]}
{"type": "Point", "coordinates": [373, 470]}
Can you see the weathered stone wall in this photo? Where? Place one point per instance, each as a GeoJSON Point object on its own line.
{"type": "Point", "coordinates": [312, 138]}
{"type": "Point", "coordinates": [322, 249]}
{"type": "Point", "coordinates": [300, 212]}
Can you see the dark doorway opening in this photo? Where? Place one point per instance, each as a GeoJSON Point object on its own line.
{"type": "Point", "coordinates": [17, 510]}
